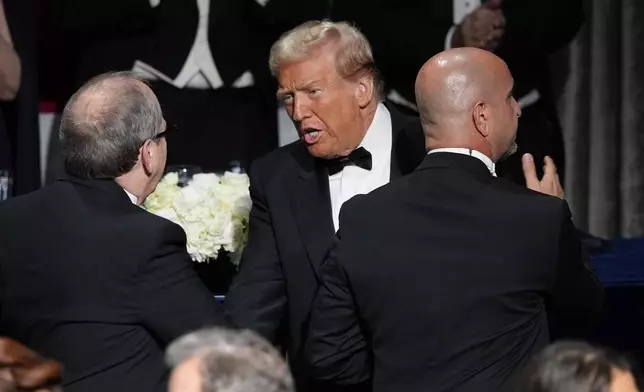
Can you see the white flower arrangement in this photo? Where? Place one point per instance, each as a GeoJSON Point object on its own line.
{"type": "Point", "coordinates": [213, 211]}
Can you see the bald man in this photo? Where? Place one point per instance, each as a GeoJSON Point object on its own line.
{"type": "Point", "coordinates": [88, 277]}
{"type": "Point", "coordinates": [445, 279]}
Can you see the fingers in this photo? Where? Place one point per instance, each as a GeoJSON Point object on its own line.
{"type": "Point", "coordinates": [549, 168]}
{"type": "Point", "coordinates": [495, 35]}
{"type": "Point", "coordinates": [529, 171]}
{"type": "Point", "coordinates": [560, 191]}
{"type": "Point", "coordinates": [493, 4]}
{"type": "Point", "coordinates": [493, 39]}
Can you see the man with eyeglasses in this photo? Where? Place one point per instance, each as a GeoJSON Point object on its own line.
{"type": "Point", "coordinates": [87, 276]}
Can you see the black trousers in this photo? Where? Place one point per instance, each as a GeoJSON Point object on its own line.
{"type": "Point", "coordinates": [214, 128]}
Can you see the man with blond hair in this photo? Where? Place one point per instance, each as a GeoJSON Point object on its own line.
{"type": "Point", "coordinates": [350, 143]}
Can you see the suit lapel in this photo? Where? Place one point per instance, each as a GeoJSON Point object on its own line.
{"type": "Point", "coordinates": [311, 204]}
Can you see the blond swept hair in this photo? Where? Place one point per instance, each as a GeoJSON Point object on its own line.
{"type": "Point", "coordinates": [354, 56]}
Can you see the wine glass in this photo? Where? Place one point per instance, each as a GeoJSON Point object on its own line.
{"type": "Point", "coordinates": [6, 184]}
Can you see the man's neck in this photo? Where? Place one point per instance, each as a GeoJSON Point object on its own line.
{"type": "Point", "coordinates": [470, 145]}
{"type": "Point", "coordinates": [367, 118]}
{"type": "Point", "coordinates": [128, 184]}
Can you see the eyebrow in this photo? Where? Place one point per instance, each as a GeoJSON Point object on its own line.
{"type": "Point", "coordinates": [511, 93]}
{"type": "Point", "coordinates": [303, 86]}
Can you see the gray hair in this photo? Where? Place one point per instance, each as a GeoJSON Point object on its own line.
{"type": "Point", "coordinates": [105, 123]}
{"type": "Point", "coordinates": [233, 361]}
{"type": "Point", "coordinates": [354, 56]}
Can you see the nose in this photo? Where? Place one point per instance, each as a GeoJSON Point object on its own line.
{"type": "Point", "coordinates": [517, 107]}
{"type": "Point", "coordinates": [300, 110]}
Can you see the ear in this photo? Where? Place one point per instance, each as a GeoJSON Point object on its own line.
{"type": "Point", "coordinates": [364, 91]}
{"type": "Point", "coordinates": [145, 155]}
{"type": "Point", "coordinates": [481, 116]}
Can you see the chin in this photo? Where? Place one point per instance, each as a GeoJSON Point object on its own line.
{"type": "Point", "coordinates": [511, 151]}
{"type": "Point", "coordinates": [318, 151]}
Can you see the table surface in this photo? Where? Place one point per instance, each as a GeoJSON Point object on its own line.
{"type": "Point", "coordinates": [621, 263]}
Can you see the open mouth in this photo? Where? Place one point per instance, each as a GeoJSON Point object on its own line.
{"type": "Point", "coordinates": [311, 136]}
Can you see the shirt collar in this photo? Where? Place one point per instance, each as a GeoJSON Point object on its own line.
{"type": "Point", "coordinates": [473, 153]}
{"type": "Point", "coordinates": [376, 140]}
{"type": "Point", "coordinates": [133, 198]}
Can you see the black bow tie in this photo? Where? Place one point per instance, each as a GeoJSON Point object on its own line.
{"type": "Point", "coordinates": [359, 157]}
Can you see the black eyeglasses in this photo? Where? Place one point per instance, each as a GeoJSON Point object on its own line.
{"type": "Point", "coordinates": [160, 135]}
{"type": "Point", "coordinates": [168, 128]}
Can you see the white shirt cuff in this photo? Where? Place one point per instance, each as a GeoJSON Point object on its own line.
{"type": "Point", "coordinates": [448, 38]}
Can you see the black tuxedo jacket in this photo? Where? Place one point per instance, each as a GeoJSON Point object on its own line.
{"type": "Point", "coordinates": [291, 231]}
{"type": "Point", "coordinates": [19, 117]}
{"type": "Point", "coordinates": [96, 282]}
{"type": "Point", "coordinates": [406, 33]}
{"type": "Point", "coordinates": [444, 280]}
{"type": "Point", "coordinates": [111, 34]}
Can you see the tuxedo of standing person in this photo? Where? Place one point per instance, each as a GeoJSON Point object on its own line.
{"type": "Point", "coordinates": [206, 60]}
{"type": "Point", "coordinates": [444, 280]}
{"type": "Point", "coordinates": [297, 193]}
{"type": "Point", "coordinates": [19, 132]}
{"type": "Point", "coordinates": [405, 33]}
{"type": "Point", "coordinates": [88, 276]}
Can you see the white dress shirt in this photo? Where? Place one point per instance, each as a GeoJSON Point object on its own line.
{"type": "Point", "coordinates": [133, 198]}
{"type": "Point", "coordinates": [462, 8]}
{"type": "Point", "coordinates": [199, 70]}
{"type": "Point", "coordinates": [355, 180]}
{"type": "Point", "coordinates": [473, 153]}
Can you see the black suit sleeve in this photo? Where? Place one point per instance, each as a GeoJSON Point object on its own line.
{"type": "Point", "coordinates": [336, 348]}
{"type": "Point", "coordinates": [21, 114]}
{"type": "Point", "coordinates": [404, 34]}
{"type": "Point", "coordinates": [257, 297]}
{"type": "Point", "coordinates": [540, 27]}
{"type": "Point", "coordinates": [173, 299]}
{"type": "Point", "coordinates": [93, 16]}
{"type": "Point", "coordinates": [407, 33]}
{"type": "Point", "coordinates": [577, 293]}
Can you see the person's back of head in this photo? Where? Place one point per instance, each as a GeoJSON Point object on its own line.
{"type": "Point", "coordinates": [465, 100]}
{"type": "Point", "coordinates": [578, 367]}
{"type": "Point", "coordinates": [112, 128]}
{"type": "Point", "coordinates": [21, 369]}
{"type": "Point", "coordinates": [222, 360]}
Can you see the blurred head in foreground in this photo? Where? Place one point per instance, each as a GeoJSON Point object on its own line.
{"type": "Point", "coordinates": [578, 367]}
{"type": "Point", "coordinates": [222, 360]}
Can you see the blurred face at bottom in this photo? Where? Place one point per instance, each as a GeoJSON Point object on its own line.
{"type": "Point", "coordinates": [622, 382]}
{"type": "Point", "coordinates": [186, 377]}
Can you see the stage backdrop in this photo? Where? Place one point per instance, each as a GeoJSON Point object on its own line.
{"type": "Point", "coordinates": [603, 120]}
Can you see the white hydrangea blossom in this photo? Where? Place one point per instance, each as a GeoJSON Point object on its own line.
{"type": "Point", "coordinates": [212, 210]}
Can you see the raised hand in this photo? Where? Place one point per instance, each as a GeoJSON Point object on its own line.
{"type": "Point", "coordinates": [549, 183]}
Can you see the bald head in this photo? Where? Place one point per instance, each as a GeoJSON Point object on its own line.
{"type": "Point", "coordinates": [459, 93]}
{"type": "Point", "coordinates": [101, 96]}
{"type": "Point", "coordinates": [105, 123]}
